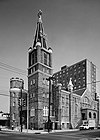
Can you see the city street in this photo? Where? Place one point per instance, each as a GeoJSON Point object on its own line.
{"type": "Point", "coordinates": [79, 135]}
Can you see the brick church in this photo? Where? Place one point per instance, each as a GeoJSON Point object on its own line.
{"type": "Point", "coordinates": [71, 101]}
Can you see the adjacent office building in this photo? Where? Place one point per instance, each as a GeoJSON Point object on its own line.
{"type": "Point", "coordinates": [83, 75]}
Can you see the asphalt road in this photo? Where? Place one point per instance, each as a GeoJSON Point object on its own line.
{"type": "Point", "coordinates": [79, 135]}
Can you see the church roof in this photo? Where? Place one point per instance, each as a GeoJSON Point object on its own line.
{"type": "Point", "coordinates": [79, 92]}
{"type": "Point", "coordinates": [39, 33]}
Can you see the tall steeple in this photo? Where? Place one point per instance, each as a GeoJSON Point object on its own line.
{"type": "Point", "coordinates": [39, 69]}
{"type": "Point", "coordinates": [39, 34]}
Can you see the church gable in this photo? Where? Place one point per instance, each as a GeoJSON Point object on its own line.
{"type": "Point", "coordinates": [87, 94]}
{"type": "Point", "coordinates": [87, 101]}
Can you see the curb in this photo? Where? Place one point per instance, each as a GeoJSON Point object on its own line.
{"type": "Point", "coordinates": [37, 132]}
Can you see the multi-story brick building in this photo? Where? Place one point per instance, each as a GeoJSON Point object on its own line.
{"type": "Point", "coordinates": [83, 76]}
{"type": "Point", "coordinates": [16, 85]}
{"type": "Point", "coordinates": [39, 68]}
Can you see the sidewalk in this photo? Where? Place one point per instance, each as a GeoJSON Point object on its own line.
{"type": "Point", "coordinates": [38, 131]}
{"type": "Point", "coordinates": [44, 132]}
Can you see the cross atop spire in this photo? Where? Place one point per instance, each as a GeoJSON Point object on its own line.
{"type": "Point", "coordinates": [39, 15]}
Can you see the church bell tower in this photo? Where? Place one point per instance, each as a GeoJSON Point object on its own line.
{"type": "Point", "coordinates": [39, 69]}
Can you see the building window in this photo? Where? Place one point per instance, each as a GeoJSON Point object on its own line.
{"type": "Point", "coordinates": [84, 77]}
{"type": "Point", "coordinates": [79, 71]}
{"type": "Point", "coordinates": [89, 114]}
{"type": "Point", "coordinates": [64, 71]}
{"type": "Point", "coordinates": [31, 70]}
{"type": "Point", "coordinates": [63, 100]}
{"type": "Point", "coordinates": [45, 58]}
{"type": "Point", "coordinates": [13, 116]}
{"type": "Point", "coordinates": [83, 63]}
{"type": "Point", "coordinates": [45, 111]}
{"type": "Point", "coordinates": [13, 103]}
{"type": "Point", "coordinates": [67, 111]}
{"type": "Point", "coordinates": [94, 115]}
{"type": "Point", "coordinates": [67, 101]}
{"type": "Point", "coordinates": [70, 68]}
{"type": "Point", "coordinates": [13, 94]}
{"type": "Point", "coordinates": [47, 95]}
{"type": "Point", "coordinates": [31, 95]}
{"type": "Point", "coordinates": [31, 83]}
{"type": "Point", "coordinates": [79, 86]}
{"type": "Point", "coordinates": [83, 85]}
{"type": "Point", "coordinates": [74, 87]}
{"type": "Point", "coordinates": [33, 58]}
{"type": "Point", "coordinates": [32, 112]}
{"type": "Point", "coordinates": [63, 110]}
{"type": "Point", "coordinates": [43, 95]}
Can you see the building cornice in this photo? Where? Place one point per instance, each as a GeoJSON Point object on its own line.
{"type": "Point", "coordinates": [41, 64]}
{"type": "Point", "coordinates": [38, 71]}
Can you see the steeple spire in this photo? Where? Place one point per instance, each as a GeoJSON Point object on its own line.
{"type": "Point", "coordinates": [39, 34]}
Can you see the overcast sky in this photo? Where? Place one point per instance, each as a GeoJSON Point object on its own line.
{"type": "Point", "coordinates": [72, 28]}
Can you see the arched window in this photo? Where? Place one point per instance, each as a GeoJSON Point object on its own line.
{"type": "Point", "coordinates": [94, 115]}
{"type": "Point", "coordinates": [45, 111]}
{"type": "Point", "coordinates": [89, 114]}
{"type": "Point", "coordinates": [86, 102]}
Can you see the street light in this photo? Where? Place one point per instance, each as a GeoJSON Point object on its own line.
{"type": "Point", "coordinates": [49, 121]}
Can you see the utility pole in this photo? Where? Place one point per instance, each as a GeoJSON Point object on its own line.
{"type": "Point", "coordinates": [49, 121]}
{"type": "Point", "coordinates": [70, 89]}
{"type": "Point", "coordinates": [21, 110]}
{"type": "Point", "coordinates": [27, 110]}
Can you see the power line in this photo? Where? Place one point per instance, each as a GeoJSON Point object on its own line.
{"type": "Point", "coordinates": [12, 69]}
{"type": "Point", "coordinates": [4, 95]}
